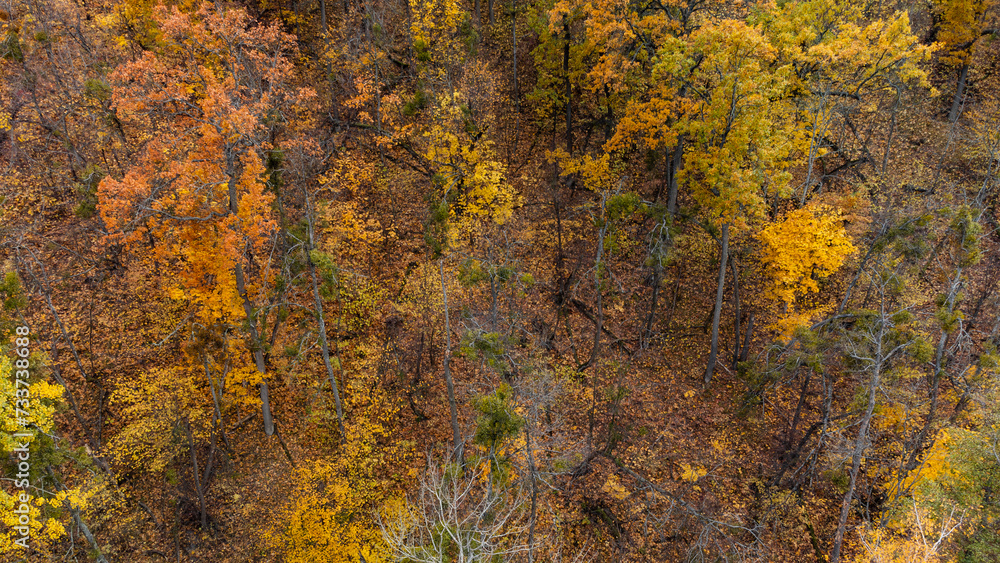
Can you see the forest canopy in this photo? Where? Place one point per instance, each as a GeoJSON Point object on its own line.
{"type": "Point", "coordinates": [479, 281]}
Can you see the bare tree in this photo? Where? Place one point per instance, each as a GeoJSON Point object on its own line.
{"type": "Point", "coordinates": [538, 391]}
{"type": "Point", "coordinates": [875, 343]}
{"type": "Point", "coordinates": [926, 544]}
{"type": "Point", "coordinates": [459, 515]}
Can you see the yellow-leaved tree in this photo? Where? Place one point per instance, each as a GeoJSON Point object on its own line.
{"type": "Point", "coordinates": [960, 24]}
{"type": "Point", "coordinates": [51, 505]}
{"type": "Point", "coordinates": [469, 178]}
{"type": "Point", "coordinates": [334, 513]}
{"type": "Point", "coordinates": [805, 247]}
{"type": "Point", "coordinates": [469, 192]}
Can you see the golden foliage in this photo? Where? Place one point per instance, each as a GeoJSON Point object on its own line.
{"type": "Point", "coordinates": [48, 511]}
{"type": "Point", "coordinates": [799, 251]}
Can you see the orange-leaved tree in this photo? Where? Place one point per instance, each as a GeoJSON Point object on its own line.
{"type": "Point", "coordinates": [205, 104]}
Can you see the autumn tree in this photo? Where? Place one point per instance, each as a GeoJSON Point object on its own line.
{"type": "Point", "coordinates": [53, 490]}
{"type": "Point", "coordinates": [194, 229]}
{"type": "Point", "coordinates": [955, 485]}
{"type": "Point", "coordinates": [807, 246]}
{"type": "Point", "coordinates": [215, 88]}
{"type": "Point", "coordinates": [337, 504]}
{"type": "Point", "coordinates": [959, 26]}
{"type": "Point", "coordinates": [877, 341]}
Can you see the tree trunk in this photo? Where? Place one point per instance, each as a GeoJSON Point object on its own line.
{"type": "Point", "coordinates": [534, 494]}
{"type": "Point", "coordinates": [46, 290]}
{"type": "Point", "coordinates": [197, 477]}
{"type": "Point", "coordinates": [599, 319]}
{"type": "Point", "coordinates": [494, 298]}
{"type": "Point", "coordinates": [746, 338]}
{"type": "Point", "coordinates": [959, 101]}
{"type": "Point", "coordinates": [568, 91]}
{"type": "Point", "coordinates": [892, 129]}
{"type": "Point", "coordinates": [99, 556]}
{"type": "Point", "coordinates": [736, 312]}
{"type": "Point", "coordinates": [324, 347]}
{"type": "Point", "coordinates": [513, 52]}
{"type": "Point", "coordinates": [940, 362]}
{"type": "Point", "coordinates": [218, 424]}
{"type": "Point", "coordinates": [258, 354]}
{"type": "Point", "coordinates": [717, 314]}
{"type": "Point", "coordinates": [598, 325]}
{"type": "Point", "coordinates": [859, 447]}
{"type": "Point", "coordinates": [89, 535]}
{"type": "Point", "coordinates": [793, 427]}
{"type": "Point", "coordinates": [456, 433]}
{"type": "Point", "coordinates": [233, 172]}
{"type": "Point", "coordinates": [647, 330]}
{"type": "Point", "coordinates": [878, 358]}
{"type": "Point", "coordinates": [864, 262]}
{"type": "Point", "coordinates": [76, 408]}
{"type": "Point", "coordinates": [675, 166]}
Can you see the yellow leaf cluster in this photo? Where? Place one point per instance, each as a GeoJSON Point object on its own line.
{"type": "Point", "coordinates": [42, 404]}
{"type": "Point", "coordinates": [467, 165]}
{"type": "Point", "coordinates": [692, 472]}
{"type": "Point", "coordinates": [808, 245]}
{"type": "Point", "coordinates": [332, 516]}
{"type": "Point", "coordinates": [614, 487]}
{"type": "Point", "coordinates": [46, 509]}
{"type": "Point", "coordinates": [961, 24]}
{"type": "Point", "coordinates": [151, 407]}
